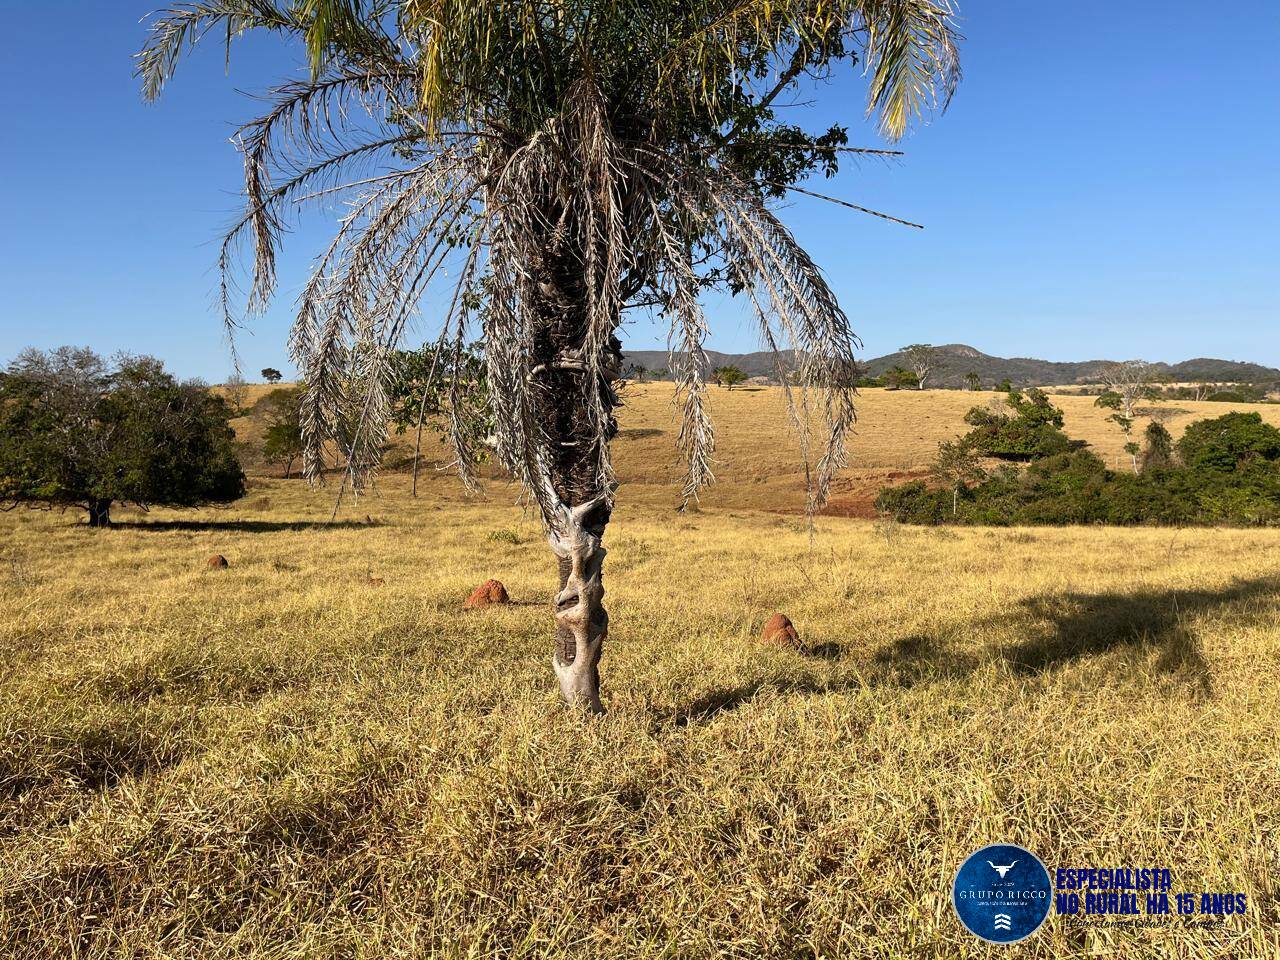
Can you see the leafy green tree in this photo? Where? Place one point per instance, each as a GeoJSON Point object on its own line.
{"type": "Point", "coordinates": [637, 372]}
{"type": "Point", "coordinates": [899, 378]}
{"type": "Point", "coordinates": [1228, 442]}
{"type": "Point", "coordinates": [446, 386]}
{"type": "Point", "coordinates": [728, 376]}
{"type": "Point", "coordinates": [559, 162]}
{"type": "Point", "coordinates": [75, 432]}
{"type": "Point", "coordinates": [973, 381]}
{"type": "Point", "coordinates": [957, 465]}
{"type": "Point", "coordinates": [282, 439]}
{"type": "Point", "coordinates": [272, 375]}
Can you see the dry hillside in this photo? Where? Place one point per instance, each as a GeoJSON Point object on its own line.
{"type": "Point", "coordinates": [758, 462]}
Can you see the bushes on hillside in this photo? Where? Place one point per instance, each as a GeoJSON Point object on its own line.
{"type": "Point", "coordinates": [1227, 470]}
{"type": "Point", "coordinates": [1030, 428]}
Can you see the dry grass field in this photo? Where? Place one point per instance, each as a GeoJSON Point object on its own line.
{"type": "Point", "coordinates": [283, 760]}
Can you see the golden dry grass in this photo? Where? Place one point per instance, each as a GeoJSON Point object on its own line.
{"type": "Point", "coordinates": [282, 760]}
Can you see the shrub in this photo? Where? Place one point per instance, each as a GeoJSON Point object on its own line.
{"type": "Point", "coordinates": [1225, 442]}
{"type": "Point", "coordinates": [1157, 454]}
{"type": "Point", "coordinates": [1032, 428]}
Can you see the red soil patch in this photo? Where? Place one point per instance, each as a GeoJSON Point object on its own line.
{"type": "Point", "coordinates": [856, 496]}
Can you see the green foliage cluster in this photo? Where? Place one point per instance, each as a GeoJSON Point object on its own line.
{"type": "Point", "coordinates": [282, 440]}
{"type": "Point", "coordinates": [1225, 470]}
{"type": "Point", "coordinates": [895, 378]}
{"type": "Point", "coordinates": [75, 431]}
{"type": "Point", "coordinates": [1031, 428]}
{"type": "Point", "coordinates": [445, 387]}
{"type": "Point", "coordinates": [728, 376]}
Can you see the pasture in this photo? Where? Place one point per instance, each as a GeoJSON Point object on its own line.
{"type": "Point", "coordinates": [283, 759]}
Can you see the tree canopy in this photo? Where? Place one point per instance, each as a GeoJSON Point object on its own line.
{"type": "Point", "coordinates": [1028, 428]}
{"type": "Point", "coordinates": [76, 431]}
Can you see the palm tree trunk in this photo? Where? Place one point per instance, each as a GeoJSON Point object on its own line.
{"type": "Point", "coordinates": [584, 497]}
{"type": "Point", "coordinates": [582, 623]}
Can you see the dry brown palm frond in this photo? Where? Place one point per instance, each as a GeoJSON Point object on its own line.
{"type": "Point", "coordinates": [791, 293]}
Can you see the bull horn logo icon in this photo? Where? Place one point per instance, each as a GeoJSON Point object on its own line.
{"type": "Point", "coordinates": [1002, 870]}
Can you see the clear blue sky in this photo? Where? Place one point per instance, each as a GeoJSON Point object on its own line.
{"type": "Point", "coordinates": [1106, 183]}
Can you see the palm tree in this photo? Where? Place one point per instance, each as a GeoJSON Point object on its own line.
{"type": "Point", "coordinates": [553, 163]}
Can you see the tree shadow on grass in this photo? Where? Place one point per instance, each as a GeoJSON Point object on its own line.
{"type": "Point", "coordinates": [715, 702]}
{"type": "Point", "coordinates": [244, 526]}
{"type": "Point", "coordinates": [1083, 625]}
{"type": "Point", "coordinates": [920, 658]}
{"type": "Point", "coordinates": [1072, 627]}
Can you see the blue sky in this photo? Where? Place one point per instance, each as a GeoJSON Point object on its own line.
{"type": "Point", "coordinates": [1106, 183]}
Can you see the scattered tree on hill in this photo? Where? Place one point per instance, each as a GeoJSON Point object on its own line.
{"type": "Point", "coordinates": [272, 375]}
{"type": "Point", "coordinates": [561, 163]}
{"type": "Point", "coordinates": [728, 376]}
{"type": "Point", "coordinates": [973, 381]}
{"type": "Point", "coordinates": [956, 466]}
{"type": "Point", "coordinates": [637, 371]}
{"type": "Point", "coordinates": [77, 432]}
{"type": "Point", "coordinates": [920, 358]}
{"type": "Point", "coordinates": [237, 393]}
{"type": "Point", "coordinates": [282, 439]}
{"type": "Point", "coordinates": [448, 386]}
{"type": "Point", "coordinates": [1004, 386]}
{"type": "Point", "coordinates": [1113, 401]}
{"type": "Point", "coordinates": [1130, 381]}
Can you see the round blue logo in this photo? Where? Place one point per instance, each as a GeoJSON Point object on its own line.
{"type": "Point", "coordinates": [1002, 893]}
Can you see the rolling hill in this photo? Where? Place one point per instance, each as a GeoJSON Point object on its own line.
{"type": "Point", "coordinates": [955, 360]}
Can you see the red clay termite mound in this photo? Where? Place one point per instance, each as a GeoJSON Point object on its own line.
{"type": "Point", "coordinates": [485, 595]}
{"type": "Point", "coordinates": [780, 632]}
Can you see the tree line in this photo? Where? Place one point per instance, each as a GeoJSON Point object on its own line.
{"type": "Point", "coordinates": [1222, 470]}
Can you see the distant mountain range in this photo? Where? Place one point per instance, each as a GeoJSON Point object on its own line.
{"type": "Point", "coordinates": [955, 360]}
